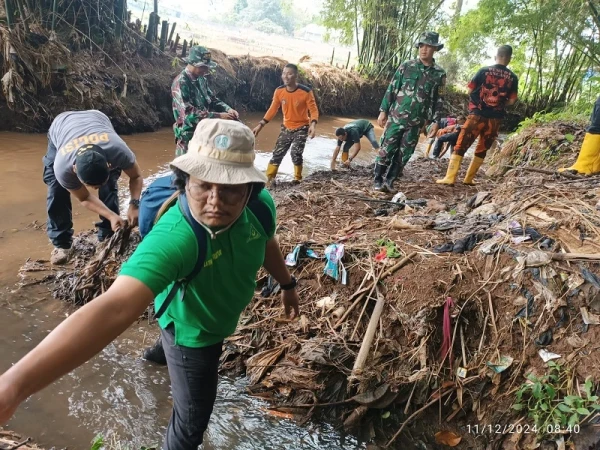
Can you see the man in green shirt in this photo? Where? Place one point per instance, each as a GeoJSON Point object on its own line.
{"type": "Point", "coordinates": [216, 179]}
{"type": "Point", "coordinates": [350, 135]}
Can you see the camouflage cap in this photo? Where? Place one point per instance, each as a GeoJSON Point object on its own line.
{"type": "Point", "coordinates": [430, 38]}
{"type": "Point", "coordinates": [200, 56]}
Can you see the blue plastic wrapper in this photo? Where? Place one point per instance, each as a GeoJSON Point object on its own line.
{"type": "Point", "coordinates": [301, 250]}
{"type": "Point", "coordinates": [334, 254]}
{"type": "Point", "coordinates": [292, 258]}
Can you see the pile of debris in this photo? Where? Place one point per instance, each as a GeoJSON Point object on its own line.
{"type": "Point", "coordinates": [94, 267]}
{"type": "Point", "coordinates": [433, 305]}
{"type": "Point", "coordinates": [545, 145]}
{"type": "Point", "coordinates": [445, 296]}
{"type": "Point", "coordinates": [12, 441]}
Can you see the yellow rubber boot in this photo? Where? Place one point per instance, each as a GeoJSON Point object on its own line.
{"type": "Point", "coordinates": [271, 173]}
{"type": "Point", "coordinates": [476, 163]}
{"type": "Point", "coordinates": [344, 157]}
{"type": "Point", "coordinates": [453, 167]}
{"type": "Point", "coordinates": [298, 173]}
{"type": "Point", "coordinates": [588, 160]}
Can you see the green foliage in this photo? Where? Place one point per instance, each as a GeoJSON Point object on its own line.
{"type": "Point", "coordinates": [101, 443]}
{"type": "Point", "coordinates": [568, 114]}
{"type": "Point", "coordinates": [554, 46]}
{"type": "Point", "coordinates": [549, 404]}
{"type": "Point", "coordinates": [271, 16]}
{"type": "Point", "coordinates": [384, 31]}
{"type": "Point", "coordinates": [98, 442]}
{"type": "Point", "coordinates": [390, 248]}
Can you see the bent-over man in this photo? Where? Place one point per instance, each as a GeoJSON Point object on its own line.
{"type": "Point", "coordinates": [85, 154]}
{"type": "Point", "coordinates": [350, 135]}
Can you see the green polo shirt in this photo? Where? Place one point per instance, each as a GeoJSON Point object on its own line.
{"type": "Point", "coordinates": [216, 297]}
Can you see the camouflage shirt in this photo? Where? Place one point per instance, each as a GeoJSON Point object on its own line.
{"type": "Point", "coordinates": [192, 101]}
{"type": "Point", "coordinates": [415, 94]}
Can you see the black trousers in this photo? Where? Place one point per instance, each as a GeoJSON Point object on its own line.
{"type": "Point", "coordinates": [450, 137]}
{"type": "Point", "coordinates": [59, 225]}
{"type": "Point", "coordinates": [594, 127]}
{"type": "Point", "coordinates": [194, 377]}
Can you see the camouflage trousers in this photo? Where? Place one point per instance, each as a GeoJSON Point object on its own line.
{"type": "Point", "coordinates": [398, 141]}
{"type": "Point", "coordinates": [294, 139]}
{"type": "Point", "coordinates": [181, 147]}
{"type": "Point", "coordinates": [486, 129]}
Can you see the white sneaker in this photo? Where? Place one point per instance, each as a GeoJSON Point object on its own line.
{"type": "Point", "coordinates": [60, 256]}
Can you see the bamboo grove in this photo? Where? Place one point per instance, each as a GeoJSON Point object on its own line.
{"type": "Point", "coordinates": [556, 42]}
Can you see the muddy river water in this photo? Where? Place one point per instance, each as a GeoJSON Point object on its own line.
{"type": "Point", "coordinates": [116, 393]}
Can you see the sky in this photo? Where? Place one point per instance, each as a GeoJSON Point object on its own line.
{"type": "Point", "coordinates": [217, 6]}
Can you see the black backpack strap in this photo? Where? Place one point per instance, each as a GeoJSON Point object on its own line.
{"type": "Point", "coordinates": [200, 233]}
{"type": "Point", "coordinates": [263, 214]}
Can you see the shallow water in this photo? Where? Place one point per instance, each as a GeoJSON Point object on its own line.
{"type": "Point", "coordinates": [116, 393]}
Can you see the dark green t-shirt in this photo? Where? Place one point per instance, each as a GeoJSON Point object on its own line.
{"type": "Point", "coordinates": [216, 297]}
{"type": "Point", "coordinates": [355, 130]}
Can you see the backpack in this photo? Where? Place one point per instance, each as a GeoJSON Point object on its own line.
{"type": "Point", "coordinates": [158, 198]}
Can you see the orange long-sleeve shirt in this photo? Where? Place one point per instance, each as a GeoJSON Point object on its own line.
{"type": "Point", "coordinates": [296, 106]}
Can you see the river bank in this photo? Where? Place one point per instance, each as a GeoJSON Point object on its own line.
{"type": "Point", "coordinates": [45, 76]}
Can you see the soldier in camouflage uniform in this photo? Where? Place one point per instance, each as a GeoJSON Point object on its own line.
{"type": "Point", "coordinates": [193, 100]}
{"type": "Point", "coordinates": [413, 98]}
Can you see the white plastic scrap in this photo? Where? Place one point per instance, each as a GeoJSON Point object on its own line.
{"type": "Point", "coordinates": [548, 356]}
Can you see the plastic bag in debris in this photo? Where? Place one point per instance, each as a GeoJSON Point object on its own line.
{"type": "Point", "coordinates": [391, 251]}
{"type": "Point", "coordinates": [272, 287]}
{"type": "Point", "coordinates": [545, 338]}
{"type": "Point", "coordinates": [484, 210]}
{"type": "Point", "coordinates": [501, 365]}
{"type": "Point", "coordinates": [300, 251]}
{"type": "Point", "coordinates": [547, 356]}
{"type": "Point", "coordinates": [527, 311]}
{"type": "Point", "coordinates": [590, 277]}
{"type": "Point", "coordinates": [546, 244]}
{"type": "Point", "coordinates": [523, 235]}
{"type": "Point", "coordinates": [400, 197]}
{"type": "Point", "coordinates": [536, 258]}
{"type": "Point", "coordinates": [334, 267]}
{"type": "Point", "coordinates": [478, 199]}
{"type": "Point", "coordinates": [416, 202]}
{"type": "Point", "coordinates": [465, 244]}
{"type": "Point", "coordinates": [491, 246]}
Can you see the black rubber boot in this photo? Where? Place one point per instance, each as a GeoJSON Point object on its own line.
{"type": "Point", "coordinates": [379, 173]}
{"type": "Point", "coordinates": [156, 353]}
{"type": "Point", "coordinates": [396, 170]}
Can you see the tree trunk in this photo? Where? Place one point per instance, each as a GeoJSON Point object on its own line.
{"type": "Point", "coordinates": [458, 9]}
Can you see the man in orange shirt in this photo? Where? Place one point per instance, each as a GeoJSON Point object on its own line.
{"type": "Point", "coordinates": [300, 116]}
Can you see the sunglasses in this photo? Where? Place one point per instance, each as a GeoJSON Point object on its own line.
{"type": "Point", "coordinates": [230, 195]}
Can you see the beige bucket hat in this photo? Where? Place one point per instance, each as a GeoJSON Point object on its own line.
{"type": "Point", "coordinates": [221, 152]}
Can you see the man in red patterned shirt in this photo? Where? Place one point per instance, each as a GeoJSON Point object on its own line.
{"type": "Point", "coordinates": [491, 90]}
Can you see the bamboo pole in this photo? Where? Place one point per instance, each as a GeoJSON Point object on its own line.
{"type": "Point", "coordinates": [184, 49]}
{"type": "Point", "coordinates": [332, 55]}
{"type": "Point", "coordinates": [10, 14]}
{"type": "Point", "coordinates": [348, 62]}
{"type": "Point", "coordinates": [163, 35]}
{"type": "Point", "coordinates": [172, 32]}
{"type": "Point", "coordinates": [176, 44]}
{"type": "Point", "coordinates": [365, 347]}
